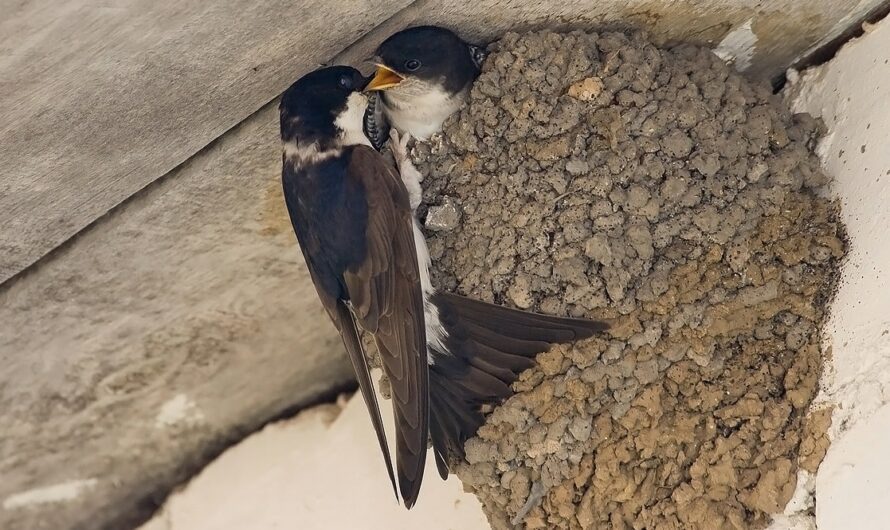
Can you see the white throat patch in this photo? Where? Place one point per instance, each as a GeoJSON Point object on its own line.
{"type": "Point", "coordinates": [350, 122]}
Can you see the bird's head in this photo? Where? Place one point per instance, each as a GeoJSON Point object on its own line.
{"type": "Point", "coordinates": [423, 58]}
{"type": "Point", "coordinates": [324, 109]}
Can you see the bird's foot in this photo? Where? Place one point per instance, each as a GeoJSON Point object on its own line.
{"type": "Point", "coordinates": [411, 177]}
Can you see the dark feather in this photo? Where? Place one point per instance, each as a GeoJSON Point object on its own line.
{"type": "Point", "coordinates": [374, 124]}
{"type": "Point", "coordinates": [346, 325]}
{"type": "Point", "coordinates": [395, 313]}
{"type": "Point", "coordinates": [444, 57]}
{"type": "Point", "coordinates": [354, 225]}
{"type": "Point", "coordinates": [488, 347]}
{"type": "Point", "coordinates": [478, 54]}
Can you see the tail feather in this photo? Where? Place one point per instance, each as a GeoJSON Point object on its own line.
{"type": "Point", "coordinates": [504, 341]}
{"type": "Point", "coordinates": [523, 324]}
{"type": "Point", "coordinates": [488, 346]}
{"type": "Point", "coordinates": [505, 375]}
{"type": "Point", "coordinates": [515, 363]}
{"type": "Point", "coordinates": [437, 434]}
{"type": "Point", "coordinates": [452, 422]}
{"type": "Point", "coordinates": [480, 383]}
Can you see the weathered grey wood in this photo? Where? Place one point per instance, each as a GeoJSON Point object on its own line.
{"type": "Point", "coordinates": [785, 29]}
{"type": "Point", "coordinates": [194, 292]}
{"type": "Point", "coordinates": [194, 289]}
{"type": "Point", "coordinates": [99, 100]}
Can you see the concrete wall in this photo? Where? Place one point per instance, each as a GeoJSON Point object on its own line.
{"type": "Point", "coordinates": [152, 313]}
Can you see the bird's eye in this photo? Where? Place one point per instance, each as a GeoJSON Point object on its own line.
{"type": "Point", "coordinates": [346, 82]}
{"type": "Point", "coordinates": [412, 65]}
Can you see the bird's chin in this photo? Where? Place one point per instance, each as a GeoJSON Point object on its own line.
{"type": "Point", "coordinates": [384, 79]}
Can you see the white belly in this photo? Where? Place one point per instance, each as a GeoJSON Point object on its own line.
{"type": "Point", "coordinates": [435, 331]}
{"type": "Point", "coordinates": [420, 115]}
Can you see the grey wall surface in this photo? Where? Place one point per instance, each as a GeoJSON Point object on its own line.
{"type": "Point", "coordinates": [168, 311]}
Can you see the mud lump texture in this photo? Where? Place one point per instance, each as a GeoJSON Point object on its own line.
{"type": "Point", "coordinates": [597, 175]}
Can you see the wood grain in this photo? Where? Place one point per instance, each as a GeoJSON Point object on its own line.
{"type": "Point", "coordinates": [97, 101]}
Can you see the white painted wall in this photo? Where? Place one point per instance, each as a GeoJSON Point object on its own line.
{"type": "Point", "coordinates": [320, 470]}
{"type": "Point", "coordinates": [852, 94]}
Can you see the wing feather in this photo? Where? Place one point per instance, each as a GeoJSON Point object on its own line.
{"type": "Point", "coordinates": [355, 227]}
{"type": "Point", "coordinates": [390, 305]}
{"type": "Point", "coordinates": [315, 251]}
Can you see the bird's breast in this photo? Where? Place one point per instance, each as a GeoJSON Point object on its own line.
{"type": "Point", "coordinates": [421, 114]}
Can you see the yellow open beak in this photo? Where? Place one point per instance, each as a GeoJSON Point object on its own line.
{"type": "Point", "coordinates": [384, 78]}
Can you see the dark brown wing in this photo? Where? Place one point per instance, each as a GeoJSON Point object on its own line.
{"type": "Point", "coordinates": [317, 251]}
{"type": "Point", "coordinates": [386, 300]}
{"type": "Point", "coordinates": [346, 325]}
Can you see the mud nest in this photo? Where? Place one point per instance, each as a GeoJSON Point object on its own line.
{"type": "Point", "coordinates": [597, 175]}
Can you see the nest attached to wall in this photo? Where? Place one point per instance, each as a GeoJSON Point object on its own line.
{"type": "Point", "coordinates": [598, 175]}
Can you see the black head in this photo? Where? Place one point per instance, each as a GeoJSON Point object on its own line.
{"type": "Point", "coordinates": [311, 106]}
{"type": "Point", "coordinates": [427, 53]}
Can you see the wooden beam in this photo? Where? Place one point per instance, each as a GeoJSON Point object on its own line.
{"type": "Point", "coordinates": [98, 101]}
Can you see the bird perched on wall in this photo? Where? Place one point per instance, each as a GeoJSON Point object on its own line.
{"type": "Point", "coordinates": [445, 355]}
{"type": "Point", "coordinates": [424, 74]}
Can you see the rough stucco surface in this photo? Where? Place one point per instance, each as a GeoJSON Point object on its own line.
{"type": "Point", "coordinates": [182, 323]}
{"type": "Point", "coordinates": [850, 93]}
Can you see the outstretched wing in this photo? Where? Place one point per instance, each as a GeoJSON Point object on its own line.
{"type": "Point", "coordinates": [386, 299]}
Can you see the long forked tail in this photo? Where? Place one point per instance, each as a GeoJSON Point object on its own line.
{"type": "Point", "coordinates": [488, 346]}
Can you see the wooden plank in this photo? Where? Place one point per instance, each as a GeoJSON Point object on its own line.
{"type": "Point", "coordinates": [193, 298]}
{"type": "Point", "coordinates": [165, 330]}
{"type": "Point", "coordinates": [97, 101]}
